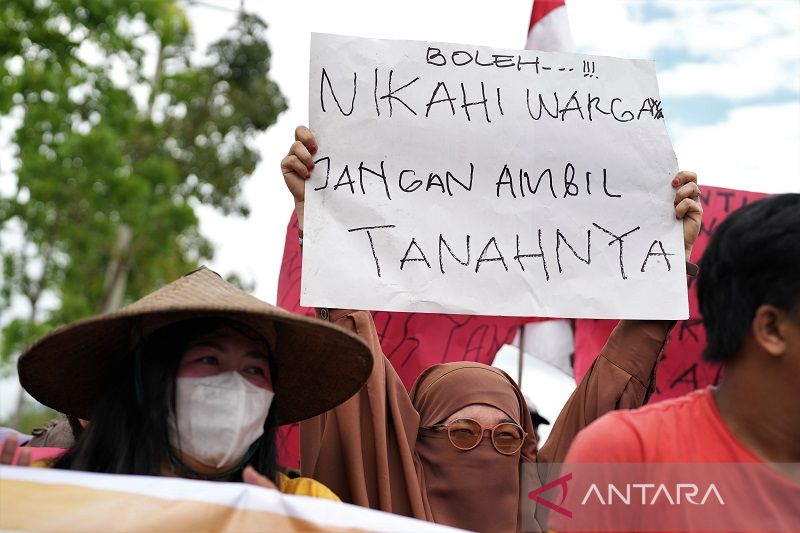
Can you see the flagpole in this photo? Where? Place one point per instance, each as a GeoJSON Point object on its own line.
{"type": "Point", "coordinates": [521, 361]}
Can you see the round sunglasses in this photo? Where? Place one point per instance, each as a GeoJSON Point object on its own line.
{"type": "Point", "coordinates": [466, 433]}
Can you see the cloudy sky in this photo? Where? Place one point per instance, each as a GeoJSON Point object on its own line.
{"type": "Point", "coordinates": [729, 74]}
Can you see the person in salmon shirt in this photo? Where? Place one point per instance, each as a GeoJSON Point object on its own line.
{"type": "Point", "coordinates": [749, 294]}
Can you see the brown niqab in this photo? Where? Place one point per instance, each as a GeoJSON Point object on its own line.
{"type": "Point", "coordinates": [371, 451]}
{"type": "Point", "coordinates": [476, 489]}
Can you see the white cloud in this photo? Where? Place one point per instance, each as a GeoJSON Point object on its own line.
{"type": "Point", "coordinates": [608, 28]}
{"type": "Point", "coordinates": [733, 50]}
{"type": "Point", "coordinates": [758, 68]}
{"type": "Point", "coordinates": [755, 149]}
{"type": "Point", "coordinates": [728, 80]}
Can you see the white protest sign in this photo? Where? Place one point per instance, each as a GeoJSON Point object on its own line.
{"type": "Point", "coordinates": [465, 179]}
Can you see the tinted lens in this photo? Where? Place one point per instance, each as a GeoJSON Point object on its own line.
{"type": "Point", "coordinates": [507, 438]}
{"type": "Point", "coordinates": [465, 434]}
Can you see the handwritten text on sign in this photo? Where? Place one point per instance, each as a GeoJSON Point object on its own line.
{"type": "Point", "coordinates": [464, 179]}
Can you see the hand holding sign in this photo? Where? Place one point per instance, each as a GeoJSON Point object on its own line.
{"type": "Point", "coordinates": [296, 167]}
{"type": "Point", "coordinates": [688, 208]}
{"type": "Point", "coordinates": [682, 369]}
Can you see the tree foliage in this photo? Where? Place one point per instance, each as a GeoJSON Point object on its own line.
{"type": "Point", "coordinates": [119, 125]}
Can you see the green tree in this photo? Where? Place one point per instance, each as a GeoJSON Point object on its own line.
{"type": "Point", "coordinates": [114, 154]}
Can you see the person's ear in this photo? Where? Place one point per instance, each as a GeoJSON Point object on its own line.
{"type": "Point", "coordinates": [768, 329]}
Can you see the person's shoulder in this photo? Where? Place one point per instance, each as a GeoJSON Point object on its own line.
{"type": "Point", "coordinates": [670, 407]}
{"type": "Point", "coordinates": [666, 419]}
{"type": "Point", "coordinates": [633, 435]}
{"type": "Point", "coordinates": [56, 433]}
{"type": "Point", "coordinates": [305, 486]}
{"type": "Point", "coordinates": [610, 438]}
{"type": "Point", "coordinates": [666, 412]}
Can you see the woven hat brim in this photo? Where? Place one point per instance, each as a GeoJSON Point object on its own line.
{"type": "Point", "coordinates": [319, 365]}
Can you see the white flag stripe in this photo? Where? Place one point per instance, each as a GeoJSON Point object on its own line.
{"type": "Point", "coordinates": [551, 33]}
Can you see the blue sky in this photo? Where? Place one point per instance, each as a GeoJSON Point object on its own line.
{"type": "Point", "coordinates": [729, 74]}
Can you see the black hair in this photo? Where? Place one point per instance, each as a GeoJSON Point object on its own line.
{"type": "Point", "coordinates": [74, 426]}
{"type": "Point", "coordinates": [128, 432]}
{"type": "Point", "coordinates": [753, 259]}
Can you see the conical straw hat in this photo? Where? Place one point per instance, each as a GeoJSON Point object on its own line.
{"type": "Point", "coordinates": [319, 365]}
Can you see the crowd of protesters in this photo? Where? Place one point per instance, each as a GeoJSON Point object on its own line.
{"type": "Point", "coordinates": [194, 379]}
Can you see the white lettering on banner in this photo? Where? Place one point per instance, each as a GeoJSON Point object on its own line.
{"type": "Point", "coordinates": [681, 493]}
{"type": "Point", "coordinates": [472, 180]}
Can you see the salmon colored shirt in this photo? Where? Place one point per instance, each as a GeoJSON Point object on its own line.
{"type": "Point", "coordinates": [690, 429]}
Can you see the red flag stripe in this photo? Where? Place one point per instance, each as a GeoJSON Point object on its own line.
{"type": "Point", "coordinates": [541, 8]}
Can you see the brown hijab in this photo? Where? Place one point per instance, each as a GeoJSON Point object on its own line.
{"type": "Point", "coordinates": [478, 489]}
{"type": "Point", "coordinates": [371, 451]}
{"type": "Point", "coordinates": [363, 450]}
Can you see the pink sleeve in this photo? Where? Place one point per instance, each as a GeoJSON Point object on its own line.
{"type": "Point", "coordinates": [40, 454]}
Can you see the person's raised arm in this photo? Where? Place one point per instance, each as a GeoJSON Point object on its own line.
{"type": "Point", "coordinates": [363, 448]}
{"type": "Point", "coordinates": [623, 375]}
{"type": "Point", "coordinates": [297, 166]}
{"type": "Point", "coordinates": [688, 208]}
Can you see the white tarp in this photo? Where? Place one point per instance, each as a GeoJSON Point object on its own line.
{"type": "Point", "coordinates": [465, 179]}
{"type": "Point", "coordinates": [44, 499]}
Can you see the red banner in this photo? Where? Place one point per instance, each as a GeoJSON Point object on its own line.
{"type": "Point", "coordinates": [681, 370]}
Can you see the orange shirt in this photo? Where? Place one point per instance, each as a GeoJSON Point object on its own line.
{"type": "Point", "coordinates": [689, 429]}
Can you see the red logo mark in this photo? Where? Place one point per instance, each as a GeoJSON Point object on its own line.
{"type": "Point", "coordinates": [562, 482]}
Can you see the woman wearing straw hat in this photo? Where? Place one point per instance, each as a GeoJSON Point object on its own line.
{"type": "Point", "coordinates": [193, 381]}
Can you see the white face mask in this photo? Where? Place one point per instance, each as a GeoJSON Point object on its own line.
{"type": "Point", "coordinates": [217, 418]}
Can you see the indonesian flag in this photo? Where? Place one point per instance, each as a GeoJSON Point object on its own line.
{"type": "Point", "coordinates": [549, 27]}
{"type": "Point", "coordinates": [551, 341]}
